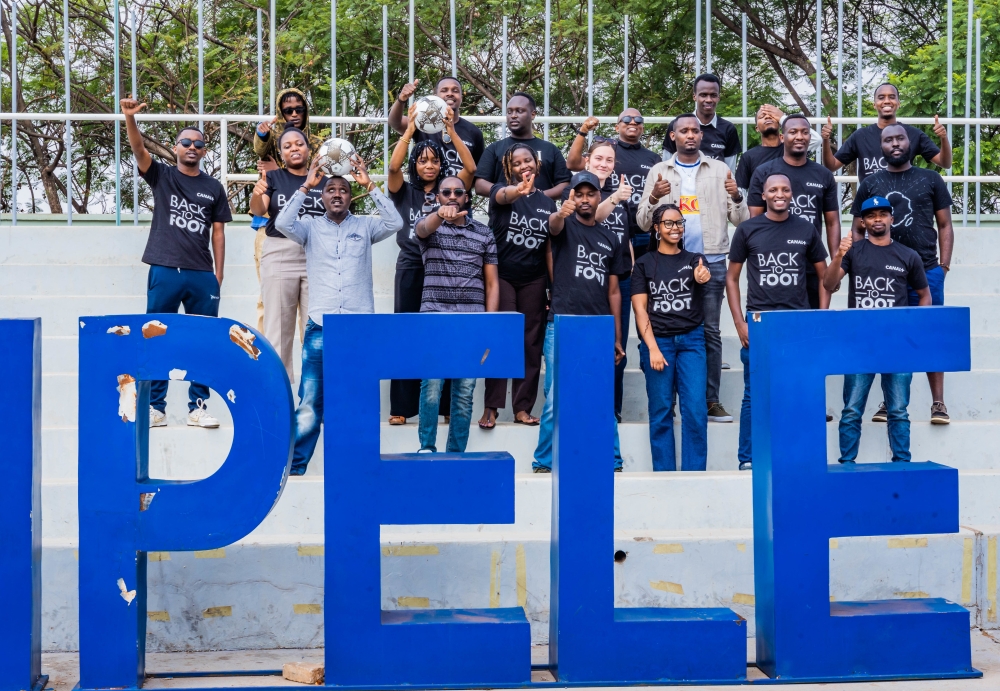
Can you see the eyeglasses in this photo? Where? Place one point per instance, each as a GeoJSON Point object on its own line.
{"type": "Point", "coordinates": [629, 119]}
{"type": "Point", "coordinates": [673, 224]}
{"type": "Point", "coordinates": [196, 143]}
{"type": "Point", "coordinates": [448, 193]}
{"type": "Point", "coordinates": [294, 110]}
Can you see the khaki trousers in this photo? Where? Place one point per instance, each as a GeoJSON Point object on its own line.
{"type": "Point", "coordinates": [258, 247]}
{"type": "Point", "coordinates": [285, 294]}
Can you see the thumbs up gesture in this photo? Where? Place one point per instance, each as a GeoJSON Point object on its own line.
{"type": "Point", "coordinates": [661, 188]}
{"type": "Point", "coordinates": [940, 130]}
{"type": "Point", "coordinates": [569, 206]}
{"type": "Point", "coordinates": [624, 191]}
{"type": "Point", "coordinates": [701, 272]}
{"type": "Point", "coordinates": [731, 187]}
{"type": "Point", "coordinates": [827, 129]}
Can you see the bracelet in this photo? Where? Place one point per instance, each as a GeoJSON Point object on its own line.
{"type": "Point", "coordinates": [305, 190]}
{"type": "Point", "coordinates": [654, 200]}
{"type": "Point", "coordinates": [371, 185]}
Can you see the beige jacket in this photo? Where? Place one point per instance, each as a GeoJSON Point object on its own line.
{"type": "Point", "coordinates": [717, 208]}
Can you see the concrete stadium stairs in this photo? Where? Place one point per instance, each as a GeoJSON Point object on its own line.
{"type": "Point", "coordinates": [687, 536]}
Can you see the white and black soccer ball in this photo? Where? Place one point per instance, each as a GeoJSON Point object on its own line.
{"type": "Point", "coordinates": [430, 114]}
{"type": "Point", "coordinates": [335, 157]}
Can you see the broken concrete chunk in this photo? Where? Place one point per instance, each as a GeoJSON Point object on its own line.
{"type": "Point", "coordinates": [244, 338]}
{"type": "Point", "coordinates": [152, 329]}
{"type": "Point", "coordinates": [145, 499]}
{"type": "Point", "coordinates": [118, 330]}
{"type": "Point", "coordinates": [231, 396]}
{"type": "Point", "coordinates": [127, 595]}
{"type": "Point", "coordinates": [126, 397]}
{"type": "Point", "coordinates": [303, 672]}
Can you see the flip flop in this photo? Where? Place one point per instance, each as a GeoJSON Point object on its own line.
{"type": "Point", "coordinates": [397, 420]}
{"type": "Point", "coordinates": [530, 422]}
{"type": "Point", "coordinates": [488, 425]}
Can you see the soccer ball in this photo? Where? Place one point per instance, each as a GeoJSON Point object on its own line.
{"type": "Point", "coordinates": [430, 115]}
{"type": "Point", "coordinates": [335, 157]}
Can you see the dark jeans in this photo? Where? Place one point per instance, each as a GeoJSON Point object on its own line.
{"type": "Point", "coordinates": [626, 291]}
{"type": "Point", "coordinates": [935, 281]}
{"type": "Point", "coordinates": [404, 394]}
{"type": "Point", "coordinates": [529, 300]}
{"type": "Point", "coordinates": [812, 290]}
{"type": "Point", "coordinates": [896, 389]}
{"type": "Point", "coordinates": [166, 290]}
{"type": "Point", "coordinates": [309, 414]}
{"type": "Point", "coordinates": [713, 295]}
{"type": "Point", "coordinates": [745, 452]}
{"type": "Point", "coordinates": [685, 374]}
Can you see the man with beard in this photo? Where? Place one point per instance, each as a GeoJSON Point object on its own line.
{"type": "Point", "coordinates": [587, 260]}
{"type": "Point", "coordinates": [919, 198]}
{"type": "Point", "coordinates": [552, 176]}
{"type": "Point", "coordinates": [879, 271]}
{"type": "Point", "coordinates": [814, 193]}
{"type": "Point", "coordinates": [449, 90]}
{"type": "Point", "coordinates": [865, 145]}
{"type": "Point", "coordinates": [768, 123]}
{"type": "Point", "coordinates": [720, 139]}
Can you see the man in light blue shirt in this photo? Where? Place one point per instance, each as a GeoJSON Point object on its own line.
{"type": "Point", "coordinates": [338, 249]}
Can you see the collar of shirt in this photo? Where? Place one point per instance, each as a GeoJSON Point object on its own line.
{"type": "Point", "coordinates": [329, 220]}
{"type": "Point", "coordinates": [711, 123]}
{"type": "Point", "coordinates": [674, 162]}
{"type": "Point", "coordinates": [625, 145]}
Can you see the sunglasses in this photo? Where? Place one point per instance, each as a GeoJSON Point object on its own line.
{"type": "Point", "coordinates": [293, 110]}
{"type": "Point", "coordinates": [196, 143]}
{"type": "Point", "coordinates": [629, 119]}
{"type": "Point", "coordinates": [598, 139]}
{"type": "Point", "coordinates": [430, 202]}
{"type": "Point", "coordinates": [448, 193]}
{"type": "Point", "coordinates": [673, 224]}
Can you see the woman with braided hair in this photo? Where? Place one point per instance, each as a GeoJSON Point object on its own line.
{"type": "Point", "coordinates": [519, 218]}
{"type": "Point", "coordinates": [414, 198]}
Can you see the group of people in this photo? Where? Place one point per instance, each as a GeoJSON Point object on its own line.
{"type": "Point", "coordinates": [611, 229]}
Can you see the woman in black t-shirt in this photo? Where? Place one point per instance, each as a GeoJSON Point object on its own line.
{"type": "Point", "coordinates": [669, 317]}
{"type": "Point", "coordinates": [284, 288]}
{"type": "Point", "coordinates": [416, 197]}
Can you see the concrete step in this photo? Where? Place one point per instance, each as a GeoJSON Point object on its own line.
{"type": "Point", "coordinates": [123, 280]}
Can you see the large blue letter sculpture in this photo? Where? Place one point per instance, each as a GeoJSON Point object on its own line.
{"type": "Point", "coordinates": [591, 641]}
{"type": "Point", "coordinates": [800, 501]}
{"type": "Point", "coordinates": [20, 503]}
{"type": "Point", "coordinates": [366, 646]}
{"type": "Point", "coordinates": [123, 512]}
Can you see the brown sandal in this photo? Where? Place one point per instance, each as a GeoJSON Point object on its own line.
{"type": "Point", "coordinates": [530, 421]}
{"type": "Point", "coordinates": [397, 420]}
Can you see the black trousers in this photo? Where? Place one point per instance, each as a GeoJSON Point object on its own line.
{"type": "Point", "coordinates": [529, 300]}
{"type": "Point", "coordinates": [404, 394]}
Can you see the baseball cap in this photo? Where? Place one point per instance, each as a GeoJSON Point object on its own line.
{"type": "Point", "coordinates": [875, 203]}
{"type": "Point", "coordinates": [585, 177]}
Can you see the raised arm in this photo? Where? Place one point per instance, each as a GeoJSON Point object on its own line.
{"type": "Point", "coordinates": [621, 194]}
{"type": "Point", "coordinates": [395, 179]}
{"type": "Point", "coordinates": [397, 120]}
{"type": "Point", "coordinates": [130, 107]}
{"type": "Point", "coordinates": [389, 221]}
{"type": "Point", "coordinates": [944, 157]}
{"type": "Point", "coordinates": [829, 160]}
{"type": "Point", "coordinates": [429, 224]}
{"type": "Point", "coordinates": [574, 159]}
{"type": "Point", "coordinates": [557, 221]}
{"type": "Point", "coordinates": [468, 173]}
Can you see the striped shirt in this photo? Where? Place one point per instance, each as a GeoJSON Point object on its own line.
{"type": "Point", "coordinates": [454, 257]}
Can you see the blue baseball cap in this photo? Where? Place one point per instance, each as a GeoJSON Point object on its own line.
{"type": "Point", "coordinates": [873, 203]}
{"type": "Point", "coordinates": [585, 177]}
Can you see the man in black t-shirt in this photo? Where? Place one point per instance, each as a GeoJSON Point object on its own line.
{"type": "Point", "coordinates": [919, 199]}
{"type": "Point", "coordinates": [768, 123]}
{"type": "Point", "coordinates": [189, 207]}
{"type": "Point", "coordinates": [720, 139]}
{"type": "Point", "coordinates": [865, 145]}
{"type": "Point", "coordinates": [882, 273]}
{"type": "Point", "coordinates": [777, 246]}
{"type": "Point", "coordinates": [449, 90]}
{"type": "Point", "coordinates": [587, 260]}
{"type": "Point", "coordinates": [814, 193]}
{"type": "Point", "coordinates": [553, 175]}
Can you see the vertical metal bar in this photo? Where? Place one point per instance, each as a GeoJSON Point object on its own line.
{"type": "Point", "coordinates": [224, 141]}
{"type": "Point", "coordinates": [860, 69]}
{"type": "Point", "coordinates": [135, 94]}
{"type": "Point", "coordinates": [625, 98]}
{"type": "Point", "coordinates": [697, 37]}
{"type": "Point", "coordinates": [201, 63]}
{"type": "Point", "coordinates": [548, 47]}
{"type": "Point", "coordinates": [840, 70]}
{"type": "Point", "coordinates": [968, 113]}
{"type": "Point", "coordinates": [708, 35]}
{"type": "Point", "coordinates": [454, 55]}
{"type": "Point", "coordinates": [343, 113]}
{"type": "Point", "coordinates": [590, 57]}
{"type": "Point", "coordinates": [503, 79]}
{"type": "Point", "coordinates": [979, 114]}
{"type": "Point", "coordinates": [271, 107]}
{"type": "Point", "coordinates": [13, 109]}
{"type": "Point", "coordinates": [118, 128]}
{"type": "Point", "coordinates": [819, 60]}
{"type": "Point", "coordinates": [260, 63]}
{"type": "Point", "coordinates": [68, 135]}
{"type": "Point", "coordinates": [333, 61]}
{"type": "Point", "coordinates": [743, 35]}
{"type": "Point", "coordinates": [950, 86]}
{"type": "Point", "coordinates": [385, 89]}
{"type": "Point", "coordinates": [410, 65]}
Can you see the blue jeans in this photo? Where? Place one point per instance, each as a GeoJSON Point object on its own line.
{"type": "Point", "coordinates": [896, 389]}
{"type": "Point", "coordinates": [461, 413]}
{"type": "Point", "coordinates": [166, 290]}
{"type": "Point", "coordinates": [935, 281]}
{"type": "Point", "coordinates": [543, 452]}
{"type": "Point", "coordinates": [626, 288]}
{"type": "Point", "coordinates": [745, 452]}
{"type": "Point", "coordinates": [309, 414]}
{"type": "Point", "coordinates": [685, 371]}
{"type": "Point", "coordinates": [713, 295]}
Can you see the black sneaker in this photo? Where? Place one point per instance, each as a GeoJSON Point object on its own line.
{"type": "Point", "coordinates": [846, 462]}
{"type": "Point", "coordinates": [725, 365]}
{"type": "Point", "coordinates": [746, 465]}
{"type": "Point", "coordinates": [542, 469]}
{"type": "Point", "coordinates": [882, 416]}
{"type": "Point", "coordinates": [829, 418]}
{"type": "Point", "coordinates": [716, 413]}
{"type": "Point", "coordinates": [939, 413]}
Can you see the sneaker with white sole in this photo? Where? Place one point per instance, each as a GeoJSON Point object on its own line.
{"type": "Point", "coordinates": [156, 418]}
{"type": "Point", "coordinates": [199, 417]}
{"type": "Point", "coordinates": [716, 413]}
{"type": "Point", "coordinates": [881, 415]}
{"type": "Point", "coordinates": [939, 413]}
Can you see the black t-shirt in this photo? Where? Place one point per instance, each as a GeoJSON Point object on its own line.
{"type": "Point", "coordinates": [718, 142]}
{"type": "Point", "coordinates": [470, 134]}
{"type": "Point", "coordinates": [281, 185]}
{"type": "Point", "coordinates": [521, 230]}
{"type": "Point", "coordinates": [583, 257]}
{"type": "Point", "coordinates": [814, 189]}
{"type": "Point", "coordinates": [776, 254]}
{"type": "Point", "coordinates": [879, 275]}
{"type": "Point", "coordinates": [865, 146]}
{"type": "Point", "coordinates": [634, 162]}
{"type": "Point", "coordinates": [184, 209]}
{"type": "Point", "coordinates": [675, 298]}
{"type": "Point", "coordinates": [620, 221]}
{"type": "Point", "coordinates": [412, 204]}
{"type": "Point", "coordinates": [753, 159]}
{"type": "Point", "coordinates": [553, 170]}
{"type": "Point", "coordinates": [915, 194]}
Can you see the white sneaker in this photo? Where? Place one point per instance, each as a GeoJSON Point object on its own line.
{"type": "Point", "coordinates": [199, 417]}
{"type": "Point", "coordinates": [156, 418]}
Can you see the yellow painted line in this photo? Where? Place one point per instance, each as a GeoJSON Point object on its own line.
{"type": "Point", "coordinates": [741, 546]}
{"type": "Point", "coordinates": [911, 594]}
{"type": "Point", "coordinates": [521, 568]}
{"type": "Point", "coordinates": [744, 599]}
{"type": "Point", "coordinates": [907, 542]}
{"type": "Point", "coordinates": [76, 554]}
{"type": "Point", "coordinates": [495, 579]}
{"type": "Point", "coordinates": [833, 543]}
{"type": "Point", "coordinates": [158, 616]}
{"type": "Point", "coordinates": [211, 554]}
{"type": "Point", "coordinates": [410, 551]}
{"type": "Point", "coordinates": [668, 548]}
{"type": "Point", "coordinates": [311, 550]}
{"type": "Point", "coordinates": [224, 611]}
{"type": "Point", "coordinates": [307, 609]}
{"type": "Point", "coordinates": [991, 579]}
{"type": "Point", "coordinates": [158, 556]}
{"type": "Point", "coordinates": [967, 571]}
{"type": "Point", "coordinates": [667, 587]}
{"type": "Point", "coordinates": [421, 602]}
